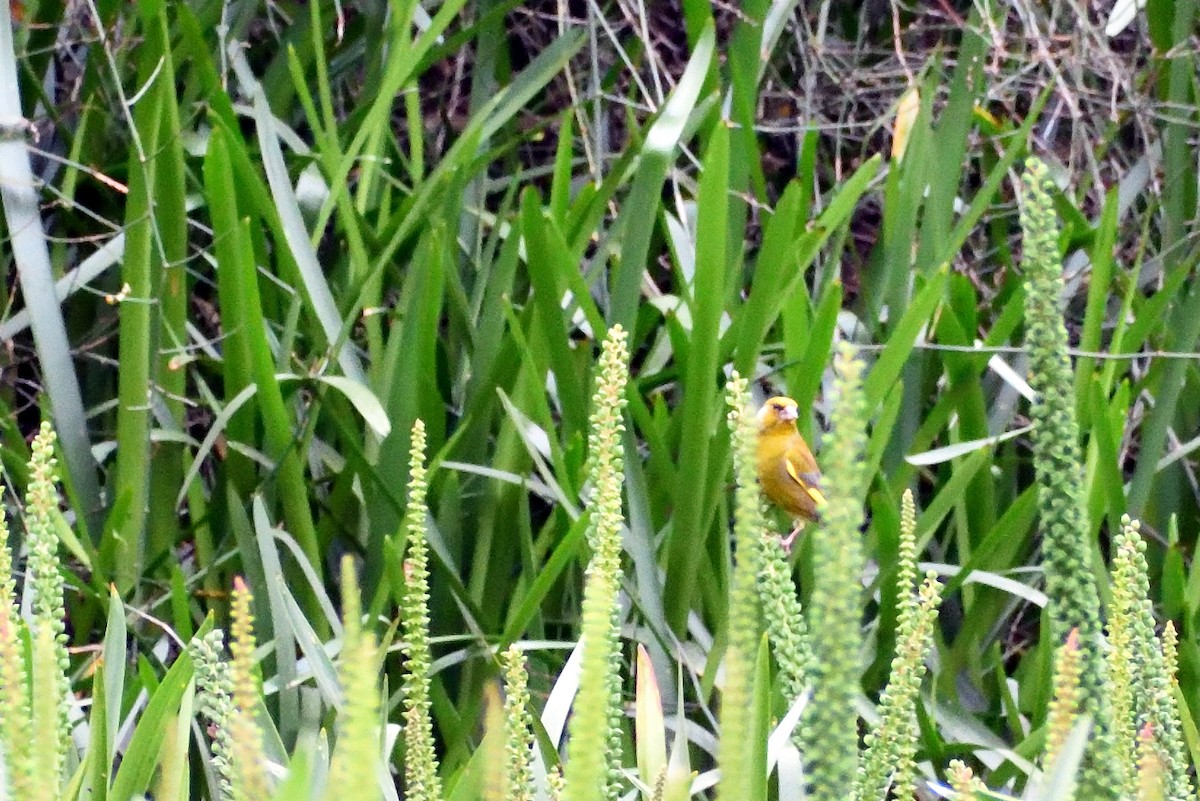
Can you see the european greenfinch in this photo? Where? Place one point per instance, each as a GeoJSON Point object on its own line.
{"type": "Point", "coordinates": [787, 470]}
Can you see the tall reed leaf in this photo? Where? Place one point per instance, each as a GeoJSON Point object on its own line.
{"type": "Point", "coordinates": [28, 244]}
{"type": "Point", "coordinates": [706, 296]}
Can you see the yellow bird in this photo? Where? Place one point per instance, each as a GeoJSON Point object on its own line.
{"type": "Point", "coordinates": [787, 470]}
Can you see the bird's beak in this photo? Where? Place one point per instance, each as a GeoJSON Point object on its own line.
{"type": "Point", "coordinates": [788, 413]}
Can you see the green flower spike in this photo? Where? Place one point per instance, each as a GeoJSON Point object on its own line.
{"type": "Point", "coordinates": [45, 575]}
{"type": "Point", "coordinates": [743, 626]}
{"type": "Point", "coordinates": [214, 700]}
{"type": "Point", "coordinates": [889, 761]}
{"type": "Point", "coordinates": [14, 692]}
{"type": "Point", "coordinates": [594, 747]}
{"type": "Point", "coordinates": [1064, 706]}
{"type": "Point", "coordinates": [420, 768]}
{"type": "Point", "coordinates": [248, 756]}
{"type": "Point", "coordinates": [1143, 674]}
{"type": "Point", "coordinates": [835, 611]}
{"type": "Point", "coordinates": [967, 786]}
{"type": "Point", "coordinates": [518, 729]}
{"type": "Point", "coordinates": [1070, 583]}
{"type": "Point", "coordinates": [356, 756]}
{"type": "Point", "coordinates": [1149, 766]}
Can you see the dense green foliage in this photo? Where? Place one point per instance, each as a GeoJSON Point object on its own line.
{"type": "Point", "coordinates": [300, 282]}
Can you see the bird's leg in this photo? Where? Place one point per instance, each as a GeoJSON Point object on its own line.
{"type": "Point", "coordinates": [787, 541]}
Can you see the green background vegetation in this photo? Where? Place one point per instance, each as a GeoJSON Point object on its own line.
{"type": "Point", "coordinates": [249, 246]}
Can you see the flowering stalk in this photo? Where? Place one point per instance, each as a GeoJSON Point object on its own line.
{"type": "Point", "coordinates": [248, 756]}
{"type": "Point", "coordinates": [1070, 583]}
{"type": "Point", "coordinates": [214, 700]}
{"type": "Point", "coordinates": [1064, 705]}
{"type": "Point", "coordinates": [1144, 667]}
{"type": "Point", "coordinates": [749, 524]}
{"type": "Point", "coordinates": [594, 748]}
{"type": "Point", "coordinates": [353, 772]}
{"type": "Point", "coordinates": [45, 579]}
{"type": "Point", "coordinates": [889, 760]}
{"type": "Point", "coordinates": [831, 729]}
{"type": "Point", "coordinates": [14, 692]}
{"type": "Point", "coordinates": [517, 784]}
{"type": "Point", "coordinates": [420, 767]}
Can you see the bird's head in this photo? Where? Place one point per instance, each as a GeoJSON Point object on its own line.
{"type": "Point", "coordinates": [778, 413]}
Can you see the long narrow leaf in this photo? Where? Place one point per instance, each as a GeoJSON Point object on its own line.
{"type": "Point", "coordinates": [28, 243]}
{"type": "Point", "coordinates": [315, 286]}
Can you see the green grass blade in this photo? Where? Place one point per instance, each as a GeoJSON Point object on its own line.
{"type": "Point", "coordinates": [405, 384]}
{"type": "Point", "coordinates": [987, 192]}
{"type": "Point", "coordinates": [28, 244]}
{"type": "Point", "coordinates": [288, 723]}
{"type": "Point", "coordinates": [124, 550]}
{"type": "Point", "coordinates": [949, 142]}
{"type": "Point", "coordinates": [1183, 330]}
{"type": "Point", "coordinates": [892, 359]}
{"type": "Point", "coordinates": [1098, 293]}
{"type": "Point", "coordinates": [141, 758]}
{"type": "Point", "coordinates": [315, 286]}
{"type": "Point", "coordinates": [545, 261]}
{"type": "Point", "coordinates": [170, 215]}
{"type": "Point", "coordinates": [115, 660]}
{"type": "Point", "coordinates": [775, 261]}
{"type": "Point", "coordinates": [249, 359]}
{"type": "Point", "coordinates": [640, 210]}
{"type": "Point", "coordinates": [700, 400]}
{"type": "Point", "coordinates": [222, 197]}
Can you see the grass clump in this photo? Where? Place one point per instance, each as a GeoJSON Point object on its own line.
{"type": "Point", "coordinates": [284, 233]}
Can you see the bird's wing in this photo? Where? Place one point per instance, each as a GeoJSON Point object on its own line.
{"type": "Point", "coordinates": [808, 480]}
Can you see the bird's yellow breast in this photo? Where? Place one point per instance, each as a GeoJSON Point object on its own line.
{"type": "Point", "coordinates": [788, 472]}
